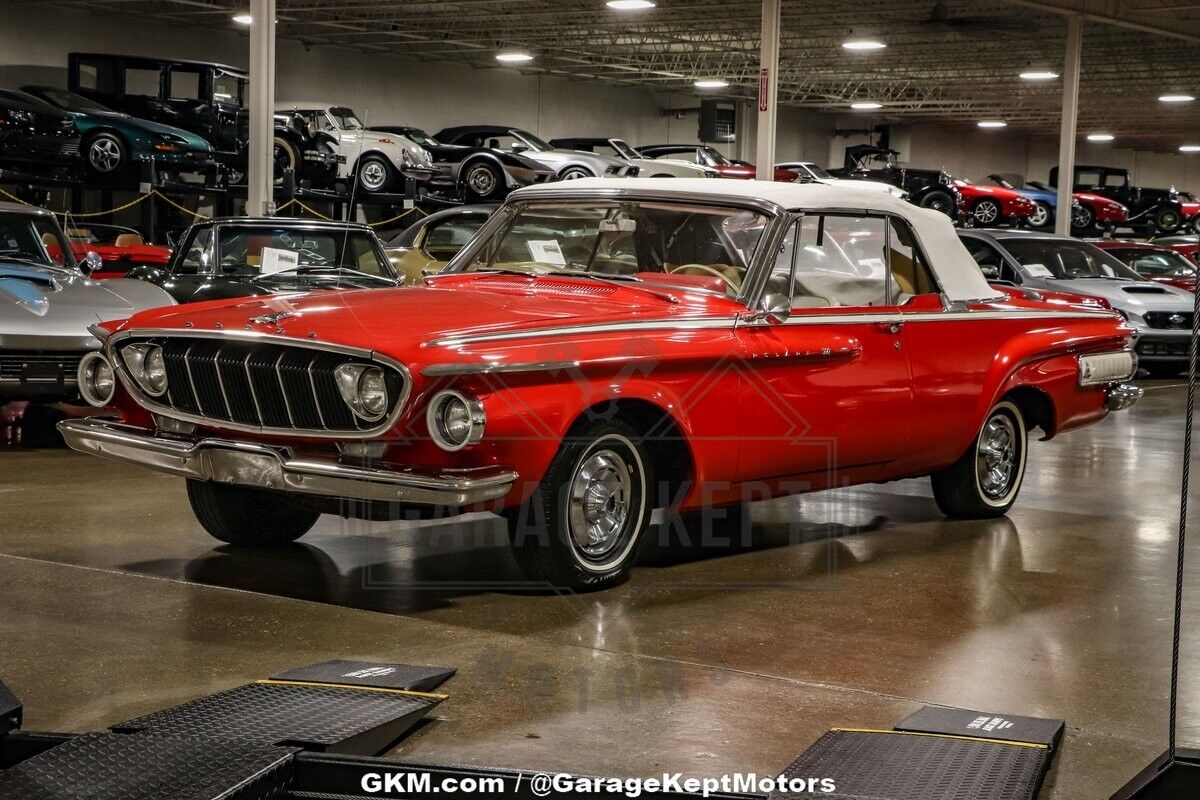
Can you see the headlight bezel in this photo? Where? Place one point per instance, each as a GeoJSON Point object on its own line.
{"type": "Point", "coordinates": [435, 418]}
{"type": "Point", "coordinates": [136, 358]}
{"type": "Point", "coordinates": [351, 379]}
{"type": "Point", "coordinates": [85, 377]}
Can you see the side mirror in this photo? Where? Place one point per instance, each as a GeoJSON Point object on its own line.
{"type": "Point", "coordinates": [990, 271]}
{"type": "Point", "coordinates": [91, 262]}
{"type": "Point", "coordinates": [519, 147]}
{"type": "Point", "coordinates": [775, 308]}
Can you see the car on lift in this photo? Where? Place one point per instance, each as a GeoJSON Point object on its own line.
{"type": "Point", "coordinates": [647, 167]}
{"type": "Point", "coordinates": [809, 172]}
{"type": "Point", "coordinates": [47, 303]}
{"type": "Point", "coordinates": [1088, 211]}
{"type": "Point", "coordinates": [379, 162]}
{"type": "Point", "coordinates": [426, 246]}
{"type": "Point", "coordinates": [928, 188]}
{"type": "Point", "coordinates": [207, 99]}
{"type": "Point", "coordinates": [1155, 262]}
{"type": "Point", "coordinates": [35, 136]}
{"type": "Point", "coordinates": [119, 249]}
{"type": "Point", "coordinates": [473, 174]}
{"type": "Point", "coordinates": [1157, 211]}
{"type": "Point", "coordinates": [1161, 315]}
{"type": "Point", "coordinates": [992, 206]}
{"type": "Point", "coordinates": [708, 156]}
{"type": "Point", "coordinates": [111, 143]}
{"type": "Point", "coordinates": [248, 257]}
{"type": "Point", "coordinates": [567, 164]}
{"type": "Point", "coordinates": [685, 344]}
{"type": "Point", "coordinates": [1189, 205]}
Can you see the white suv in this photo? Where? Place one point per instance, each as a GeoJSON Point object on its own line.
{"type": "Point", "coordinates": [376, 160]}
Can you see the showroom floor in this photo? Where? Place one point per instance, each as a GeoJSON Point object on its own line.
{"type": "Point", "coordinates": [113, 602]}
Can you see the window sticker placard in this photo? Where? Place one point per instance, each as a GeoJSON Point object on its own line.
{"type": "Point", "coordinates": [1039, 271]}
{"type": "Point", "coordinates": [547, 251]}
{"type": "Point", "coordinates": [277, 260]}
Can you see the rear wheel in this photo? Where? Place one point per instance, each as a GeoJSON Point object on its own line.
{"type": "Point", "coordinates": [374, 173]}
{"type": "Point", "coordinates": [106, 155]}
{"type": "Point", "coordinates": [1167, 221]}
{"type": "Point", "coordinates": [248, 517]}
{"type": "Point", "coordinates": [284, 157]}
{"type": "Point", "coordinates": [482, 181]}
{"type": "Point", "coordinates": [1082, 217]}
{"type": "Point", "coordinates": [581, 527]}
{"type": "Point", "coordinates": [984, 482]}
{"type": "Point", "coordinates": [571, 173]}
{"type": "Point", "coordinates": [939, 201]}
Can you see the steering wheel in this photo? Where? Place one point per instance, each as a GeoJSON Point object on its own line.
{"type": "Point", "coordinates": [733, 287]}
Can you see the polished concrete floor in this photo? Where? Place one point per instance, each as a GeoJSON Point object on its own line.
{"type": "Point", "coordinates": [850, 608]}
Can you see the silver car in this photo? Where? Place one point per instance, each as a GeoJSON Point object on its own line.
{"type": "Point", "coordinates": [47, 303]}
{"type": "Point", "coordinates": [567, 164]}
{"type": "Point", "coordinates": [1161, 314]}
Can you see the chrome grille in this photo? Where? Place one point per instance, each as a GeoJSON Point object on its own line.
{"type": "Point", "coordinates": [260, 384]}
{"type": "Point", "coordinates": [1169, 320]}
{"type": "Point", "coordinates": [17, 364]}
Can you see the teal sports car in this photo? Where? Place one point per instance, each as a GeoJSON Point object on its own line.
{"type": "Point", "coordinates": [111, 142]}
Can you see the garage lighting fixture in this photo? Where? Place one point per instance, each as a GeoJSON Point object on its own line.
{"type": "Point", "coordinates": [865, 106]}
{"type": "Point", "coordinates": [1189, 148]}
{"type": "Point", "coordinates": [629, 5]}
{"type": "Point", "coordinates": [710, 83]}
{"type": "Point", "coordinates": [863, 45]}
{"type": "Point", "coordinates": [1175, 98]}
{"type": "Point", "coordinates": [992, 123]}
{"type": "Point", "coordinates": [514, 57]}
{"type": "Point", "coordinates": [1100, 137]}
{"type": "Point", "coordinates": [1038, 75]}
{"type": "Point", "coordinates": [243, 19]}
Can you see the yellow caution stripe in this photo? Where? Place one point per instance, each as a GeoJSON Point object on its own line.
{"type": "Point", "coordinates": [1033, 745]}
{"type": "Point", "coordinates": [405, 692]}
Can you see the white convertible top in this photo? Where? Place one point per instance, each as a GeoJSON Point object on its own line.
{"type": "Point", "coordinates": [956, 271]}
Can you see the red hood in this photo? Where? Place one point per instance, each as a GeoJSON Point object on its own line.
{"type": "Point", "coordinates": [971, 190]}
{"type": "Point", "coordinates": [400, 322]}
{"type": "Point", "coordinates": [1190, 209]}
{"type": "Point", "coordinates": [749, 172]}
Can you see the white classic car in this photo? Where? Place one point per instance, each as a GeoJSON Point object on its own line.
{"type": "Point", "coordinates": [376, 160]}
{"type": "Point", "coordinates": [808, 172]}
{"type": "Point", "coordinates": [647, 167]}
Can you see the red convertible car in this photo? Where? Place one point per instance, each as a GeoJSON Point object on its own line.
{"type": "Point", "coordinates": [1154, 262]}
{"type": "Point", "coordinates": [601, 349]}
{"type": "Point", "coordinates": [990, 206]}
{"type": "Point", "coordinates": [119, 249]}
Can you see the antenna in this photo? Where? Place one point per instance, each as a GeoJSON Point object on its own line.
{"type": "Point", "coordinates": [353, 192]}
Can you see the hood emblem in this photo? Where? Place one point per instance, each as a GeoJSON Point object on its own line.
{"type": "Point", "coordinates": [273, 319]}
{"type": "Point", "coordinates": [1176, 320]}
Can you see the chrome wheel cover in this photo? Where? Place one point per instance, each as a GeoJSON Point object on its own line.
{"type": "Point", "coordinates": [104, 154]}
{"type": "Point", "coordinates": [996, 456]}
{"type": "Point", "coordinates": [373, 175]}
{"type": "Point", "coordinates": [598, 510]}
{"type": "Point", "coordinates": [1081, 217]}
{"type": "Point", "coordinates": [574, 174]}
{"type": "Point", "coordinates": [1041, 215]}
{"type": "Point", "coordinates": [481, 181]}
{"type": "Point", "coordinates": [987, 212]}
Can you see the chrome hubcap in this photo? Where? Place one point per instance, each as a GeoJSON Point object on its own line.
{"type": "Point", "coordinates": [996, 456]}
{"type": "Point", "coordinates": [572, 175]}
{"type": "Point", "coordinates": [600, 495]}
{"type": "Point", "coordinates": [481, 181]}
{"type": "Point", "coordinates": [104, 155]}
{"type": "Point", "coordinates": [986, 212]}
{"type": "Point", "coordinates": [373, 175]}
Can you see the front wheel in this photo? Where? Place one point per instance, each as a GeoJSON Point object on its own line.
{"type": "Point", "coordinates": [248, 517]}
{"type": "Point", "coordinates": [581, 526]}
{"type": "Point", "coordinates": [106, 155]}
{"type": "Point", "coordinates": [984, 482]}
{"type": "Point", "coordinates": [483, 181]}
{"type": "Point", "coordinates": [283, 157]}
{"type": "Point", "coordinates": [571, 173]}
{"type": "Point", "coordinates": [1082, 217]}
{"type": "Point", "coordinates": [1167, 221]}
{"type": "Point", "coordinates": [939, 201]}
{"type": "Point", "coordinates": [1043, 215]}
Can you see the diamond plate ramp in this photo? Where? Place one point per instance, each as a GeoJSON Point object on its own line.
{"type": "Point", "coordinates": [363, 673]}
{"type": "Point", "coordinates": [111, 766]}
{"type": "Point", "coordinates": [895, 765]}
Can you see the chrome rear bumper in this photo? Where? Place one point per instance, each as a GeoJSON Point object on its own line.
{"type": "Point", "coordinates": [1121, 396]}
{"type": "Point", "coordinates": [266, 467]}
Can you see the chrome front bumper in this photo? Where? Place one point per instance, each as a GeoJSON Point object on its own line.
{"type": "Point", "coordinates": [266, 467]}
{"type": "Point", "coordinates": [1121, 396]}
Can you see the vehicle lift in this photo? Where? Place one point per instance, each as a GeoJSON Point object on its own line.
{"type": "Point", "coordinates": [313, 733]}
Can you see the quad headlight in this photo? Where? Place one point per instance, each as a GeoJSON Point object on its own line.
{"type": "Point", "coordinates": [364, 388]}
{"type": "Point", "coordinates": [96, 380]}
{"type": "Point", "coordinates": [455, 420]}
{"type": "Point", "coordinates": [146, 365]}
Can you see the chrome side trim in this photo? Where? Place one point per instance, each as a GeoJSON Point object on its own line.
{"type": "Point", "coordinates": [678, 323]}
{"type": "Point", "coordinates": [443, 370]}
{"type": "Point", "coordinates": [264, 467]}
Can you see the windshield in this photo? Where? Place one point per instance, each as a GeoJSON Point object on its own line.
{"type": "Point", "coordinates": [229, 89]}
{"type": "Point", "coordinates": [715, 157]}
{"type": "Point", "coordinates": [817, 172]}
{"type": "Point", "coordinates": [98, 234]}
{"type": "Point", "coordinates": [264, 250]}
{"type": "Point", "coordinates": [702, 247]}
{"type": "Point", "coordinates": [534, 142]}
{"type": "Point", "coordinates": [345, 118]}
{"type": "Point", "coordinates": [419, 136]}
{"type": "Point", "coordinates": [622, 149]}
{"type": "Point", "coordinates": [1064, 259]}
{"type": "Point", "coordinates": [71, 101]}
{"type": "Point", "coordinates": [33, 239]}
{"type": "Point", "coordinates": [1156, 263]}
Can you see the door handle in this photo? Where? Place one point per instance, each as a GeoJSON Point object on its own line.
{"type": "Point", "coordinates": [890, 326]}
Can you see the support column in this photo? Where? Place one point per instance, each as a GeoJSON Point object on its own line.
{"type": "Point", "coordinates": [1070, 118]}
{"type": "Point", "coordinates": [259, 177]}
{"type": "Point", "coordinates": [768, 86]}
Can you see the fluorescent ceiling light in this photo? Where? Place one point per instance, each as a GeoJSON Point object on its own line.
{"type": "Point", "coordinates": [710, 83]}
{"type": "Point", "coordinates": [992, 123]}
{"type": "Point", "coordinates": [514, 57]}
{"type": "Point", "coordinates": [629, 5]}
{"type": "Point", "coordinates": [1176, 98]}
{"type": "Point", "coordinates": [243, 19]}
{"type": "Point", "coordinates": [1038, 75]}
{"type": "Point", "coordinates": [1100, 137]}
{"type": "Point", "coordinates": [865, 106]}
{"type": "Point", "coordinates": [863, 45]}
{"type": "Point", "coordinates": [1189, 148]}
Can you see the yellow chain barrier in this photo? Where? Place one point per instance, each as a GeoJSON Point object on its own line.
{"type": "Point", "coordinates": [184, 209]}
{"type": "Point", "coordinates": [81, 215]}
{"type": "Point", "coordinates": [397, 217]}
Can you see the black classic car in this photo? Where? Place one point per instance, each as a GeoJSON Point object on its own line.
{"type": "Point", "coordinates": [247, 256]}
{"type": "Point", "coordinates": [206, 99]}
{"type": "Point", "coordinates": [473, 173]}
{"type": "Point", "coordinates": [35, 135]}
{"type": "Point", "coordinates": [1156, 211]}
{"type": "Point", "coordinates": [928, 188]}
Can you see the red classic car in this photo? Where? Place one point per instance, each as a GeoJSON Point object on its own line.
{"type": "Point", "coordinates": [601, 349]}
{"type": "Point", "coordinates": [1190, 209]}
{"type": "Point", "coordinates": [989, 206]}
{"type": "Point", "coordinates": [1154, 262]}
{"type": "Point", "coordinates": [119, 249]}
